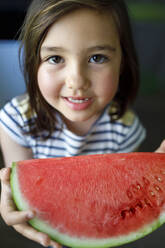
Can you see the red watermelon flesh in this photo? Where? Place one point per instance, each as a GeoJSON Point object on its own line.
{"type": "Point", "coordinates": [93, 200]}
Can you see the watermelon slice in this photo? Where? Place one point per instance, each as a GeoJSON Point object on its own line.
{"type": "Point", "coordinates": [93, 201]}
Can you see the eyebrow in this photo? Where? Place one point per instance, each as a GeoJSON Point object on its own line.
{"type": "Point", "coordinates": [90, 49]}
{"type": "Point", "coordinates": [51, 48]}
{"type": "Point", "coordinates": [102, 47]}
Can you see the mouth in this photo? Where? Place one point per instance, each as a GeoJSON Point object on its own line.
{"type": "Point", "coordinates": [78, 103]}
{"type": "Point", "coordinates": [78, 99]}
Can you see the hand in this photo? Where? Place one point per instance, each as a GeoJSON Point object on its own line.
{"type": "Point", "coordinates": [161, 148]}
{"type": "Point", "coordinates": [18, 219]}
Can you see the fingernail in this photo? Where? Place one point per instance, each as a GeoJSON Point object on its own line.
{"type": "Point", "coordinates": [30, 215]}
{"type": "Point", "coordinates": [53, 246]}
{"type": "Point", "coordinates": [43, 244]}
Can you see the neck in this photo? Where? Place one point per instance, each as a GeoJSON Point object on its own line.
{"type": "Point", "coordinates": [80, 128]}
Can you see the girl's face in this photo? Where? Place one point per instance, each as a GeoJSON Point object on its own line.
{"type": "Point", "coordinates": [80, 65]}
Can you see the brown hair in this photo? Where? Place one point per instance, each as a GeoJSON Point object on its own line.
{"type": "Point", "coordinates": [40, 16]}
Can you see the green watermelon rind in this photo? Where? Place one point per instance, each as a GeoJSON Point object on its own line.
{"type": "Point", "coordinates": [76, 242]}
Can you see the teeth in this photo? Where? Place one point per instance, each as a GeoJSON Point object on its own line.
{"type": "Point", "coordinates": [78, 101]}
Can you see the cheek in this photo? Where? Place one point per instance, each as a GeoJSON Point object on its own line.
{"type": "Point", "coordinates": [108, 85]}
{"type": "Point", "coordinates": [47, 83]}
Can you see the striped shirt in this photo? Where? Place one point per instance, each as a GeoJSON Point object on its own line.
{"type": "Point", "coordinates": [124, 135]}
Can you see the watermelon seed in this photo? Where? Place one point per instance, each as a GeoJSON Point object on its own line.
{"type": "Point", "coordinates": [138, 186]}
{"type": "Point", "coordinates": [125, 213]}
{"type": "Point", "coordinates": [139, 205]}
{"type": "Point", "coordinates": [131, 211]}
{"type": "Point", "coordinates": [134, 188]}
{"type": "Point", "coordinates": [157, 188]}
{"type": "Point", "coordinates": [158, 179]}
{"type": "Point", "coordinates": [152, 193]}
{"type": "Point", "coordinates": [147, 202]}
{"type": "Point", "coordinates": [129, 194]}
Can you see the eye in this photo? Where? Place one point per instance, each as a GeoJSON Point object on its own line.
{"type": "Point", "coordinates": [98, 59]}
{"type": "Point", "coordinates": [55, 59]}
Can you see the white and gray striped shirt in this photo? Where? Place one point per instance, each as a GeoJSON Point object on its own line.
{"type": "Point", "coordinates": [124, 135]}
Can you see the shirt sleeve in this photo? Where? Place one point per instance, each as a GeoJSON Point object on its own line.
{"type": "Point", "coordinates": [13, 123]}
{"type": "Point", "coordinates": [133, 133]}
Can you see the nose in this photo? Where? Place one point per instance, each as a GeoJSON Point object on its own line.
{"type": "Point", "coordinates": [77, 78]}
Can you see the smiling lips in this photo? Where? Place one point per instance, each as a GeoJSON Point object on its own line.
{"type": "Point", "coordinates": [78, 103]}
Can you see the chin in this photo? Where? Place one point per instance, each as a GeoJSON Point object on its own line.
{"type": "Point", "coordinates": [78, 118]}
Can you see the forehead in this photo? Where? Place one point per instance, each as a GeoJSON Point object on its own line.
{"type": "Point", "coordinates": [83, 24]}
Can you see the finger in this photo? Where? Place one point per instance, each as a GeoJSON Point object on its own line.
{"type": "Point", "coordinates": [5, 174]}
{"type": "Point", "coordinates": [55, 245]}
{"type": "Point", "coordinates": [6, 199]}
{"type": "Point", "coordinates": [5, 183]}
{"type": "Point", "coordinates": [7, 207]}
{"type": "Point", "coordinates": [16, 217]}
{"type": "Point", "coordinates": [161, 148]}
{"type": "Point", "coordinates": [39, 237]}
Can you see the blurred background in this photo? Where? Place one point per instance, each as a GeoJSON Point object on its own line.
{"type": "Point", "coordinates": [148, 23]}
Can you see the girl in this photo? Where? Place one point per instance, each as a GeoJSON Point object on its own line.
{"type": "Point", "coordinates": [82, 76]}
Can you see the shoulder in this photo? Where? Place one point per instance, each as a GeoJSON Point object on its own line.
{"type": "Point", "coordinates": [127, 118]}
{"type": "Point", "coordinates": [15, 117]}
{"type": "Point", "coordinates": [130, 131]}
{"type": "Point", "coordinates": [17, 112]}
{"type": "Point", "coordinates": [19, 107]}
{"type": "Point", "coordinates": [21, 103]}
